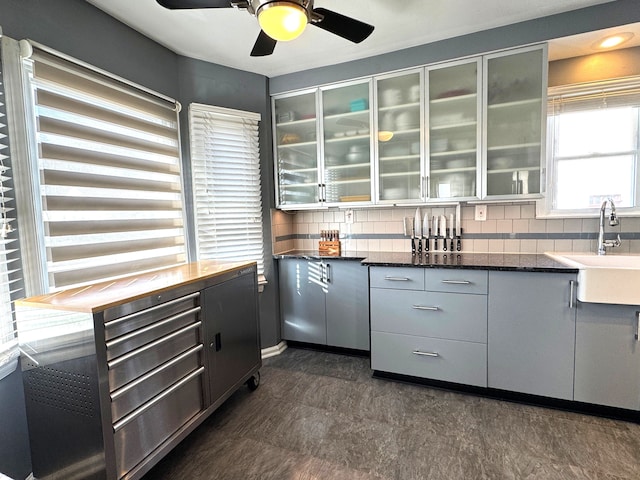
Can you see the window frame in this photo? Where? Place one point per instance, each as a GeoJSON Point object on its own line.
{"type": "Point", "coordinates": [597, 90]}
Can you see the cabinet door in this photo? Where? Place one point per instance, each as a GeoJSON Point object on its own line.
{"type": "Point", "coordinates": [531, 333]}
{"type": "Point", "coordinates": [399, 139]}
{"type": "Point", "coordinates": [607, 355]}
{"type": "Point", "coordinates": [454, 129]}
{"type": "Point", "coordinates": [347, 305]}
{"type": "Point", "coordinates": [515, 90]}
{"type": "Point", "coordinates": [302, 301]}
{"type": "Point", "coordinates": [296, 149]}
{"type": "Point", "coordinates": [346, 147]}
{"type": "Point", "coordinates": [232, 329]}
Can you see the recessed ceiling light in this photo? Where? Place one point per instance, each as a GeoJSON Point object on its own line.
{"type": "Point", "coordinates": [613, 40]}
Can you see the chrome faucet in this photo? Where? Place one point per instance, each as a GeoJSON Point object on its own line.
{"type": "Point", "coordinates": [613, 221]}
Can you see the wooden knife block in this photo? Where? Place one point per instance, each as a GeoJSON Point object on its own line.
{"type": "Point", "coordinates": [329, 248]}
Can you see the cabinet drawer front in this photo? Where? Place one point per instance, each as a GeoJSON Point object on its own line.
{"type": "Point", "coordinates": [399, 278]}
{"type": "Point", "coordinates": [447, 360]}
{"type": "Point", "coordinates": [456, 280]}
{"type": "Point", "coordinates": [430, 314]}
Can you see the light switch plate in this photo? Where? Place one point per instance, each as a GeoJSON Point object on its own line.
{"type": "Point", "coordinates": [481, 213]}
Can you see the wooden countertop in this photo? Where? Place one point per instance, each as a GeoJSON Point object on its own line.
{"type": "Point", "coordinates": [103, 295]}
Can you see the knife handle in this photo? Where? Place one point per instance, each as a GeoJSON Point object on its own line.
{"type": "Point", "coordinates": [452, 244]}
{"type": "Point", "coordinates": [444, 242]}
{"type": "Point", "coordinates": [435, 243]}
{"type": "Point", "coordinates": [426, 242]}
{"type": "Point", "coordinates": [419, 240]}
{"type": "Point", "coordinates": [459, 247]}
{"type": "Point", "coordinates": [413, 246]}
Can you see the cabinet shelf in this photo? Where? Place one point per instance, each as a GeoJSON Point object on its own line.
{"type": "Point", "coordinates": [294, 123]}
{"type": "Point", "coordinates": [517, 146]}
{"type": "Point", "coordinates": [298, 170]}
{"type": "Point", "coordinates": [400, 174]}
{"type": "Point", "coordinates": [457, 98]}
{"type": "Point", "coordinates": [399, 106]}
{"type": "Point", "coordinates": [300, 185]}
{"type": "Point", "coordinates": [348, 166]}
{"type": "Point", "coordinates": [347, 138]}
{"type": "Point", "coordinates": [348, 182]}
{"type": "Point", "coordinates": [517, 103]}
{"type": "Point", "coordinates": [454, 152]}
{"type": "Point", "coordinates": [466, 123]}
{"type": "Point", "coordinates": [453, 170]}
{"type": "Point", "coordinates": [398, 158]}
{"type": "Point", "coordinates": [298, 144]}
{"type": "Point", "coordinates": [513, 169]}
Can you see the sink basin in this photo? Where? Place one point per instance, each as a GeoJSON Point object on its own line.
{"type": "Point", "coordinates": [604, 278]}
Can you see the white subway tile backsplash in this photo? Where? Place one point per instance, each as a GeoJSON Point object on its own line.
{"type": "Point", "coordinates": [495, 212]}
{"type": "Point", "coordinates": [496, 246]}
{"type": "Point", "coordinates": [489, 226]}
{"type": "Point", "coordinates": [545, 246]}
{"type": "Point", "coordinates": [528, 211]}
{"type": "Point", "coordinates": [555, 226]}
{"type": "Point", "coordinates": [528, 246]}
{"type": "Point", "coordinates": [572, 225]}
{"type": "Point", "coordinates": [520, 226]}
{"type": "Point", "coordinates": [563, 246]}
{"type": "Point", "coordinates": [512, 211]}
{"type": "Point", "coordinates": [512, 246]}
{"type": "Point", "coordinates": [537, 226]}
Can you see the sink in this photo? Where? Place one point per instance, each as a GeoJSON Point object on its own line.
{"type": "Point", "coordinates": [604, 278]}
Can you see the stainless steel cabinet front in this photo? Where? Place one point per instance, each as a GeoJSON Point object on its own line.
{"type": "Point", "coordinates": [397, 278]}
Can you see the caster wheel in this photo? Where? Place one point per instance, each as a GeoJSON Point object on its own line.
{"type": "Point", "coordinates": [254, 382]}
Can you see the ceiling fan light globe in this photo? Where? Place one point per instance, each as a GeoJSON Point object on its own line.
{"type": "Point", "coordinates": [282, 21]}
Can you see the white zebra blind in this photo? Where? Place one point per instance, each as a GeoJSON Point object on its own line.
{"type": "Point", "coordinates": [225, 158]}
{"type": "Point", "coordinates": [9, 261]}
{"type": "Point", "coordinates": [109, 163]}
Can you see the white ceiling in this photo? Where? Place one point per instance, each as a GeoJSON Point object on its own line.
{"type": "Point", "coordinates": [225, 36]}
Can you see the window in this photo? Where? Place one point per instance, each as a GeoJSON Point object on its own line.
{"type": "Point", "coordinates": [225, 161]}
{"type": "Point", "coordinates": [9, 261]}
{"type": "Point", "coordinates": [594, 146]}
{"type": "Point", "coordinates": [108, 170]}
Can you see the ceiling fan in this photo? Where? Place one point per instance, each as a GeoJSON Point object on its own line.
{"type": "Point", "coordinates": [283, 20]}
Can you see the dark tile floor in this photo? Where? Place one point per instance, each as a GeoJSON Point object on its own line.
{"type": "Point", "coordinates": [321, 416]}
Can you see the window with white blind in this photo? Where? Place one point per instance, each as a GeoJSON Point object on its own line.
{"type": "Point", "coordinates": [225, 159]}
{"type": "Point", "coordinates": [594, 146]}
{"type": "Point", "coordinates": [9, 259]}
{"type": "Point", "coordinates": [109, 170]}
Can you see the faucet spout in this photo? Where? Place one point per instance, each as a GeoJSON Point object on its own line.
{"type": "Point", "coordinates": [613, 221]}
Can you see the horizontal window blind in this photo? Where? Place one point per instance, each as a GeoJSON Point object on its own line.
{"type": "Point", "coordinates": [225, 159]}
{"type": "Point", "coordinates": [109, 162]}
{"type": "Point", "coordinates": [9, 260]}
{"type": "Point", "coordinates": [623, 92]}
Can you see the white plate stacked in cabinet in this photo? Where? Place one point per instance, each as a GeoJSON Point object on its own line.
{"type": "Point", "coordinates": [430, 323]}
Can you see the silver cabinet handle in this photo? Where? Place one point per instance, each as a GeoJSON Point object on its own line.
{"type": "Point", "coordinates": [397, 279]}
{"type": "Point", "coordinates": [327, 273]}
{"type": "Point", "coordinates": [457, 282]}
{"type": "Point", "coordinates": [637, 335]}
{"type": "Point", "coordinates": [161, 306]}
{"type": "Point", "coordinates": [425, 354]}
{"type": "Point", "coordinates": [136, 413]}
{"type": "Point", "coordinates": [572, 288]}
{"type": "Point", "coordinates": [423, 307]}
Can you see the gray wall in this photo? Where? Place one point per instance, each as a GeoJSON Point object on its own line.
{"type": "Point", "coordinates": [588, 19]}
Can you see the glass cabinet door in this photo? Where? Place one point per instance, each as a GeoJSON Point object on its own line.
{"type": "Point", "coordinates": [346, 148]}
{"type": "Point", "coordinates": [454, 130]}
{"type": "Point", "coordinates": [296, 149]}
{"type": "Point", "coordinates": [515, 90]}
{"type": "Point", "coordinates": [399, 145]}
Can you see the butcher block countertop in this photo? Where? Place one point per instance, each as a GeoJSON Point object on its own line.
{"type": "Point", "coordinates": [100, 296]}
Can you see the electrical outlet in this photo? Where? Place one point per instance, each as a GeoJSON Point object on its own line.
{"type": "Point", "coordinates": [481, 213]}
{"type": "Point", "coordinates": [348, 216]}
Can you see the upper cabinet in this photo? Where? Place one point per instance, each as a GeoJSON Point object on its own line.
{"type": "Point", "coordinates": [346, 146]}
{"type": "Point", "coordinates": [515, 103]}
{"type": "Point", "coordinates": [296, 150]}
{"type": "Point", "coordinates": [460, 130]}
{"type": "Point", "coordinates": [453, 112]}
{"type": "Point", "coordinates": [399, 138]}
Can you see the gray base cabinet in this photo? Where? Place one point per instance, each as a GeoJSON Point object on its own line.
{"type": "Point", "coordinates": [430, 323]}
{"type": "Point", "coordinates": [531, 333]}
{"type": "Point", "coordinates": [607, 369]}
{"type": "Point", "coordinates": [324, 302]}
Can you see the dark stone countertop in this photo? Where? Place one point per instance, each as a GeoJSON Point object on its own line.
{"type": "Point", "coordinates": [530, 262]}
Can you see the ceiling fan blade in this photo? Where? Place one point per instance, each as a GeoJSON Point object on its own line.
{"type": "Point", "coordinates": [264, 45]}
{"type": "Point", "coordinates": [183, 4]}
{"type": "Point", "coordinates": [345, 27]}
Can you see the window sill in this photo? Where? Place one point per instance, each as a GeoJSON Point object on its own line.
{"type": "Point", "coordinates": [262, 281]}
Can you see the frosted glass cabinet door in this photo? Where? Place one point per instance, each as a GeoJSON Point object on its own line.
{"type": "Point", "coordinates": [454, 129]}
{"type": "Point", "coordinates": [296, 149]}
{"type": "Point", "coordinates": [398, 139]}
{"type": "Point", "coordinates": [515, 102]}
{"type": "Point", "coordinates": [346, 148]}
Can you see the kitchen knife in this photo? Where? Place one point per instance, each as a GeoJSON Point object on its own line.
{"type": "Point", "coordinates": [417, 227]}
{"type": "Point", "coordinates": [435, 232]}
{"type": "Point", "coordinates": [409, 230]}
{"type": "Point", "coordinates": [425, 232]}
{"type": "Point", "coordinates": [451, 230]}
{"type": "Point", "coordinates": [443, 223]}
{"type": "Point", "coordinates": [458, 230]}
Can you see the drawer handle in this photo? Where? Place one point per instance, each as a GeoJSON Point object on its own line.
{"type": "Point", "coordinates": [425, 354]}
{"type": "Point", "coordinates": [148, 346]}
{"type": "Point", "coordinates": [397, 279]}
{"type": "Point", "coordinates": [637, 335]}
{"type": "Point", "coordinates": [121, 391]}
{"type": "Point", "coordinates": [151, 309]}
{"type": "Point", "coordinates": [424, 307]}
{"type": "Point", "coordinates": [150, 328]}
{"type": "Point", "coordinates": [136, 413]}
{"type": "Point", "coordinates": [457, 282]}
